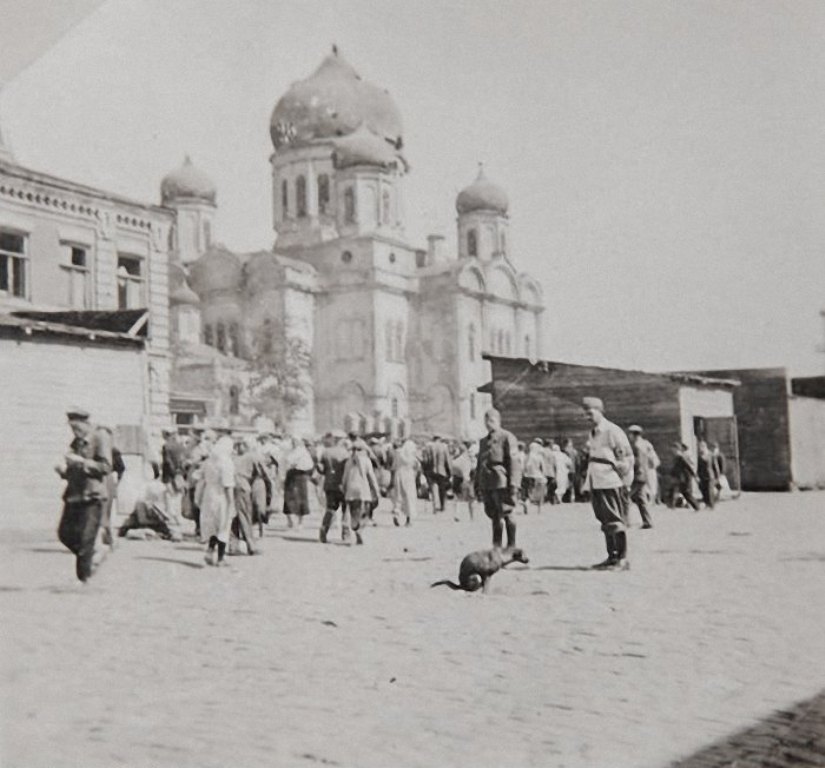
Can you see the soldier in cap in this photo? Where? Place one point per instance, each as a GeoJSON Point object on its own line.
{"type": "Point", "coordinates": [86, 468]}
{"type": "Point", "coordinates": [645, 462]}
{"type": "Point", "coordinates": [609, 473]}
{"type": "Point", "coordinates": [498, 477]}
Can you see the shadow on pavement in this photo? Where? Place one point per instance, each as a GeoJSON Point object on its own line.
{"type": "Point", "coordinates": [792, 737]}
{"type": "Point", "coordinates": [562, 568]}
{"type": "Point", "coordinates": [302, 540]}
{"type": "Point", "coordinates": [50, 550]}
{"type": "Point", "coordinates": [187, 563]}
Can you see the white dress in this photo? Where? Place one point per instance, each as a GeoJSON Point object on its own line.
{"type": "Point", "coordinates": [216, 513]}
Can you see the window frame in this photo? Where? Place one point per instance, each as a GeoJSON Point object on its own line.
{"type": "Point", "coordinates": [72, 269]}
{"type": "Point", "coordinates": [139, 281]}
{"type": "Point", "coordinates": [17, 265]}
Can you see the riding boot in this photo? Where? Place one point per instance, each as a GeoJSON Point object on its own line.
{"type": "Point", "coordinates": [325, 524]}
{"type": "Point", "coordinates": [620, 543]}
{"type": "Point", "coordinates": [498, 531]}
{"type": "Point", "coordinates": [510, 526]}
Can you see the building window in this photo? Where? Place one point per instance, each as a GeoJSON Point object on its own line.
{"type": "Point", "coordinates": [388, 337]}
{"type": "Point", "coordinates": [399, 341]}
{"type": "Point", "coordinates": [503, 243]}
{"type": "Point", "coordinates": [129, 281]}
{"type": "Point", "coordinates": [267, 337]}
{"type": "Point", "coordinates": [507, 343]}
{"type": "Point", "coordinates": [207, 234]}
{"type": "Point", "coordinates": [76, 271]}
{"type": "Point", "coordinates": [301, 197]}
{"type": "Point", "coordinates": [385, 207]}
{"type": "Point", "coordinates": [346, 257]}
{"type": "Point", "coordinates": [208, 337]}
{"type": "Point", "coordinates": [233, 339]}
{"type": "Point", "coordinates": [323, 193]}
{"type": "Point", "coordinates": [234, 400]}
{"type": "Point", "coordinates": [472, 405]}
{"type": "Point", "coordinates": [220, 337]}
{"type": "Point", "coordinates": [284, 199]}
{"type": "Point", "coordinates": [12, 265]}
{"type": "Point", "coordinates": [472, 243]}
{"type": "Point", "coordinates": [349, 205]}
{"type": "Point", "coordinates": [471, 342]}
{"type": "Point", "coordinates": [394, 407]}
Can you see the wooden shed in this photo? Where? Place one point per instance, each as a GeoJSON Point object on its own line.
{"type": "Point", "coordinates": [543, 399]}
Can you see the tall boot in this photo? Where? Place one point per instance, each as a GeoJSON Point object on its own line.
{"type": "Point", "coordinates": [498, 531]}
{"type": "Point", "coordinates": [510, 527]}
{"type": "Point", "coordinates": [610, 546]}
{"type": "Point", "coordinates": [325, 524]}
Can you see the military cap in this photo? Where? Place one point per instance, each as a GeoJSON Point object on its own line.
{"type": "Point", "coordinates": [593, 402]}
{"type": "Point", "coordinates": [77, 414]}
{"type": "Point", "coordinates": [635, 428]}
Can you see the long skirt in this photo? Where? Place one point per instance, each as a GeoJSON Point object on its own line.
{"type": "Point", "coordinates": [296, 492]}
{"type": "Point", "coordinates": [405, 492]}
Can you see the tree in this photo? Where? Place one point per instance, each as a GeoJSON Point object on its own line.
{"type": "Point", "coordinates": [280, 378]}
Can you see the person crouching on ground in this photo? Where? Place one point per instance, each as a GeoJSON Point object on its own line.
{"type": "Point", "coordinates": [216, 500]}
{"type": "Point", "coordinates": [360, 485]}
{"type": "Point", "coordinates": [609, 473]}
{"type": "Point", "coordinates": [87, 466]}
{"type": "Point", "coordinates": [498, 477]}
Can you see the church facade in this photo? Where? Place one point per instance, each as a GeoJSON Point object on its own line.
{"type": "Point", "coordinates": [392, 335]}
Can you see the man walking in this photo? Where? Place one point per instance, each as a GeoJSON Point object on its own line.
{"type": "Point", "coordinates": [438, 471]}
{"type": "Point", "coordinates": [87, 466]}
{"type": "Point", "coordinates": [609, 473]}
{"type": "Point", "coordinates": [331, 465]}
{"type": "Point", "coordinates": [498, 477]}
{"type": "Point", "coordinates": [644, 462]}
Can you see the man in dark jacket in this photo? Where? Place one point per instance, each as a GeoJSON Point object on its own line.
{"type": "Point", "coordinates": [331, 465]}
{"type": "Point", "coordinates": [682, 475]}
{"type": "Point", "coordinates": [87, 467]}
{"type": "Point", "coordinates": [498, 477]}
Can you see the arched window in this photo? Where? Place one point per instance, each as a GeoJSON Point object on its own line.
{"type": "Point", "coordinates": [234, 400]}
{"type": "Point", "coordinates": [208, 335]}
{"type": "Point", "coordinates": [220, 337]}
{"type": "Point", "coordinates": [472, 405]}
{"type": "Point", "coordinates": [301, 196]}
{"type": "Point", "coordinates": [233, 340]}
{"type": "Point", "coordinates": [323, 193]}
{"type": "Point", "coordinates": [207, 234]}
{"type": "Point", "coordinates": [349, 205]}
{"type": "Point", "coordinates": [394, 407]}
{"type": "Point", "coordinates": [285, 198]}
{"type": "Point", "coordinates": [471, 342]}
{"type": "Point", "coordinates": [500, 345]}
{"type": "Point", "coordinates": [472, 243]}
{"type": "Point", "coordinates": [399, 341]}
{"type": "Point", "coordinates": [388, 339]}
{"type": "Point", "coordinates": [267, 336]}
{"type": "Point", "coordinates": [385, 207]}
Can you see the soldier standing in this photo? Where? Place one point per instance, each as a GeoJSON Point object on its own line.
{"type": "Point", "coordinates": [609, 472]}
{"type": "Point", "coordinates": [645, 461]}
{"type": "Point", "coordinates": [498, 477]}
{"type": "Point", "coordinates": [87, 467]}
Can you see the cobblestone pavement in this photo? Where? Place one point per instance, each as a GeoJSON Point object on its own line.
{"type": "Point", "coordinates": [339, 655]}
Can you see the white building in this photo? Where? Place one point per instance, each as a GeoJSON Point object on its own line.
{"type": "Point", "coordinates": [395, 332]}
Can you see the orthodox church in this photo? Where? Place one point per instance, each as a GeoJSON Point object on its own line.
{"type": "Point", "coordinates": [386, 336]}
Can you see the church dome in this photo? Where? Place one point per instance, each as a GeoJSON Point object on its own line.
{"type": "Point", "coordinates": [332, 102]}
{"type": "Point", "coordinates": [264, 271]}
{"type": "Point", "coordinates": [183, 294]}
{"type": "Point", "coordinates": [217, 270]}
{"type": "Point", "coordinates": [363, 147]}
{"type": "Point", "coordinates": [187, 182]}
{"type": "Point", "coordinates": [482, 195]}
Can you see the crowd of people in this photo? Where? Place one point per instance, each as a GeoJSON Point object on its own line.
{"type": "Point", "coordinates": [231, 484]}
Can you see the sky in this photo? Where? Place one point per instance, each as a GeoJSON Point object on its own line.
{"type": "Point", "coordinates": [664, 161]}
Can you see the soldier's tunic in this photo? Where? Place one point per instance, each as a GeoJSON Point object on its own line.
{"type": "Point", "coordinates": [498, 477]}
{"type": "Point", "coordinates": [609, 473]}
{"type": "Point", "coordinates": [644, 462]}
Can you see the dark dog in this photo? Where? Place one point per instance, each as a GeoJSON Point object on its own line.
{"type": "Point", "coordinates": [477, 568]}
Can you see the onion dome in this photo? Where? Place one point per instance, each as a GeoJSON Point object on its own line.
{"type": "Point", "coordinates": [183, 294]}
{"type": "Point", "coordinates": [363, 147]}
{"type": "Point", "coordinates": [217, 270]}
{"type": "Point", "coordinates": [263, 271]}
{"type": "Point", "coordinates": [187, 183]}
{"type": "Point", "coordinates": [332, 102]}
{"type": "Point", "coordinates": [482, 195]}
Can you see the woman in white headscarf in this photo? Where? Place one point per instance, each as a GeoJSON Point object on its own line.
{"type": "Point", "coordinates": [216, 502]}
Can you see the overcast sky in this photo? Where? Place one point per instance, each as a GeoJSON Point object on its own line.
{"type": "Point", "coordinates": [665, 161]}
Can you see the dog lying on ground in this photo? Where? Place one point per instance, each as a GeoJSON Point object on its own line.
{"type": "Point", "coordinates": [478, 567]}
